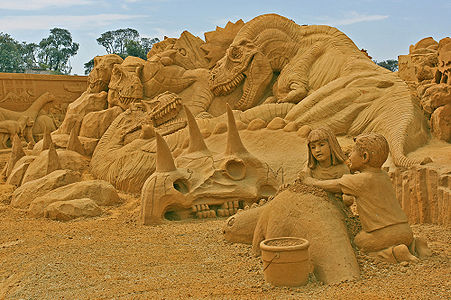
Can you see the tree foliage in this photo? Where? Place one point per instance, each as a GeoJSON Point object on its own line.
{"type": "Point", "coordinates": [52, 53]}
{"type": "Point", "coordinates": [56, 50]}
{"type": "Point", "coordinates": [115, 41]}
{"type": "Point", "coordinates": [390, 64]}
{"type": "Point", "coordinates": [123, 42]}
{"type": "Point", "coordinates": [10, 54]}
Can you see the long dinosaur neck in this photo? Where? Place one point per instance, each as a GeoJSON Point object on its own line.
{"type": "Point", "coordinates": [36, 106]}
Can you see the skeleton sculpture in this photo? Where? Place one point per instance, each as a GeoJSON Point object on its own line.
{"type": "Point", "coordinates": [203, 183]}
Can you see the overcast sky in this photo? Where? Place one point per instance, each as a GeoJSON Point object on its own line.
{"type": "Point", "coordinates": [384, 28]}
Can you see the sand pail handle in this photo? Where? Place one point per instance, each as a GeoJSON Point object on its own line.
{"type": "Point", "coordinates": [269, 263]}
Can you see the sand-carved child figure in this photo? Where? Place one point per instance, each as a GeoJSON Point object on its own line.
{"type": "Point", "coordinates": [385, 230]}
{"type": "Point", "coordinates": [326, 159]}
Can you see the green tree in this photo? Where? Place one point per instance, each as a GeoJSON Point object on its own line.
{"type": "Point", "coordinates": [29, 55]}
{"type": "Point", "coordinates": [89, 66]}
{"type": "Point", "coordinates": [390, 64]}
{"type": "Point", "coordinates": [123, 42]}
{"type": "Point", "coordinates": [140, 48]}
{"type": "Point", "coordinates": [115, 41]}
{"type": "Point", "coordinates": [10, 54]}
{"type": "Point", "coordinates": [56, 50]}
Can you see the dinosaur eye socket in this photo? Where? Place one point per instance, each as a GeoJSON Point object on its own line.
{"type": "Point", "coordinates": [231, 221]}
{"type": "Point", "coordinates": [182, 51]}
{"type": "Point", "coordinates": [181, 185]}
{"type": "Point", "coordinates": [236, 53]}
{"type": "Point", "coordinates": [235, 169]}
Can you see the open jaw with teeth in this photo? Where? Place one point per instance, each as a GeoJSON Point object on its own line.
{"type": "Point", "coordinates": [203, 184]}
{"type": "Point", "coordinates": [227, 87]}
{"type": "Point", "coordinates": [164, 111]}
{"type": "Point", "coordinates": [127, 100]}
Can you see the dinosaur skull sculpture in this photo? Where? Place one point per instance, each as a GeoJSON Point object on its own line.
{"type": "Point", "coordinates": [164, 113]}
{"type": "Point", "coordinates": [100, 76]}
{"type": "Point", "coordinates": [125, 86]}
{"type": "Point", "coordinates": [243, 61]}
{"type": "Point", "coordinates": [202, 183]}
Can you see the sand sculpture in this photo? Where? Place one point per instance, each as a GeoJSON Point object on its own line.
{"type": "Point", "coordinates": [427, 69]}
{"type": "Point", "coordinates": [22, 123]}
{"type": "Point", "coordinates": [355, 97]}
{"type": "Point", "coordinates": [385, 229]}
{"type": "Point", "coordinates": [325, 220]}
{"type": "Point", "coordinates": [219, 129]}
{"type": "Point", "coordinates": [143, 121]}
{"type": "Point", "coordinates": [203, 183]}
{"type": "Point", "coordinates": [338, 85]}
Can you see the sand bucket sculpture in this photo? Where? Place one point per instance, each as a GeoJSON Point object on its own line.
{"type": "Point", "coordinates": [286, 261]}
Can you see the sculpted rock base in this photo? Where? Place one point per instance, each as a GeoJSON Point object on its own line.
{"type": "Point", "coordinates": [24, 195]}
{"type": "Point", "coordinates": [72, 209]}
{"type": "Point", "coordinates": [101, 192]}
{"type": "Point", "coordinates": [68, 159]}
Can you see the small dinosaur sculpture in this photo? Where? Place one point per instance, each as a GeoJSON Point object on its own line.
{"type": "Point", "coordinates": [9, 128]}
{"type": "Point", "coordinates": [306, 212]}
{"type": "Point", "coordinates": [32, 113]}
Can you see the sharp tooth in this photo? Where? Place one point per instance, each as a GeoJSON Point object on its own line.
{"type": "Point", "coordinates": [212, 214]}
{"type": "Point", "coordinates": [199, 215]}
{"type": "Point", "coordinates": [205, 213]}
{"type": "Point", "coordinates": [225, 205]}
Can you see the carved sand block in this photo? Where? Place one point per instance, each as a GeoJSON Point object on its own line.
{"type": "Point", "coordinates": [72, 209]}
{"type": "Point", "coordinates": [101, 192]}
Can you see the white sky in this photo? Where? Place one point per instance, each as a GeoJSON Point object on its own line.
{"type": "Point", "coordinates": [385, 28]}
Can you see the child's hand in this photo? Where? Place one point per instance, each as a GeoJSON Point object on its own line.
{"type": "Point", "coordinates": [348, 199]}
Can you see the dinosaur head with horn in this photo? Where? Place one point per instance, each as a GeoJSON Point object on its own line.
{"type": "Point", "coordinates": [200, 183]}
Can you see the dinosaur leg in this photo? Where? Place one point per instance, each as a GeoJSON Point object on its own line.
{"type": "Point", "coordinates": [292, 84]}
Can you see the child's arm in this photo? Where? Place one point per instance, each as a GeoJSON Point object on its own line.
{"type": "Point", "coordinates": [328, 185]}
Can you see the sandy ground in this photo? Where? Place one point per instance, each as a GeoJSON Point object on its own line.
{"type": "Point", "coordinates": [113, 257]}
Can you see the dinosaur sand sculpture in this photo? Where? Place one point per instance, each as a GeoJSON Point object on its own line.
{"type": "Point", "coordinates": [31, 113]}
{"type": "Point", "coordinates": [321, 70]}
{"type": "Point", "coordinates": [125, 155]}
{"type": "Point", "coordinates": [311, 215]}
{"type": "Point", "coordinates": [9, 128]}
{"type": "Point", "coordinates": [307, 212]}
{"type": "Point", "coordinates": [202, 183]}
